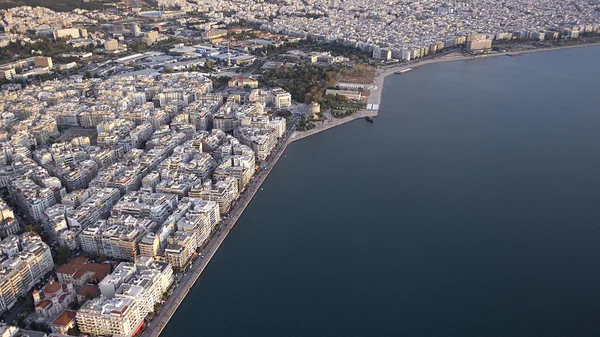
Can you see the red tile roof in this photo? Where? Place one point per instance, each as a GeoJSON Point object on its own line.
{"type": "Point", "coordinates": [65, 318]}
{"type": "Point", "coordinates": [89, 289]}
{"type": "Point", "coordinates": [43, 304]}
{"type": "Point", "coordinates": [80, 266]}
{"type": "Point", "coordinates": [52, 287]}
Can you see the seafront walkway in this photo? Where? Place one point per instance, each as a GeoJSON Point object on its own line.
{"type": "Point", "coordinates": [156, 326]}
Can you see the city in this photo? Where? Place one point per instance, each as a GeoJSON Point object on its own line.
{"type": "Point", "coordinates": [134, 136]}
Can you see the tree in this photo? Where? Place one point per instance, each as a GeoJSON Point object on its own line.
{"type": "Point", "coordinates": [33, 326]}
{"type": "Point", "coordinates": [74, 331]}
{"type": "Point", "coordinates": [63, 254]}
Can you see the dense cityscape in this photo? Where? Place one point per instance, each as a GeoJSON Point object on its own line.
{"type": "Point", "coordinates": [132, 137]}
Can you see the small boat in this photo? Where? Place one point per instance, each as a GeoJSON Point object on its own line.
{"type": "Point", "coordinates": [370, 119]}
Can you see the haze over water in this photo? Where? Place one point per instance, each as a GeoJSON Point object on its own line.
{"type": "Point", "coordinates": [470, 207]}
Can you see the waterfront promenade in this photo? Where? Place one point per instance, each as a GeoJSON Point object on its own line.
{"type": "Point", "coordinates": [156, 326]}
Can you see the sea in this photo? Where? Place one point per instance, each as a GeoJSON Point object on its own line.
{"type": "Point", "coordinates": [470, 207]}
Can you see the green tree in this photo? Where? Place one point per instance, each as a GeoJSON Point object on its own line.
{"type": "Point", "coordinates": [63, 254]}
{"type": "Point", "coordinates": [74, 331]}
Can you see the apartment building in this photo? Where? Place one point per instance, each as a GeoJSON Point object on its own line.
{"type": "Point", "coordinates": [31, 197]}
{"type": "Point", "coordinates": [154, 206]}
{"type": "Point", "coordinates": [117, 317]}
{"type": "Point", "coordinates": [181, 248]}
{"type": "Point", "coordinates": [201, 217]}
{"type": "Point", "coordinates": [8, 223]}
{"type": "Point", "coordinates": [26, 260]}
{"type": "Point", "coordinates": [223, 192]}
{"type": "Point", "coordinates": [128, 295]}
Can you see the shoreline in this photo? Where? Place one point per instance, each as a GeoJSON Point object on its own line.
{"type": "Point", "coordinates": [382, 73]}
{"type": "Point", "coordinates": [157, 325]}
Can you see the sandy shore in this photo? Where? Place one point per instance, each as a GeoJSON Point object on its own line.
{"type": "Point", "coordinates": [156, 326]}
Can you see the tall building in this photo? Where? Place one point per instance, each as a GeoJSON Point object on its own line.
{"type": "Point", "coordinates": [8, 224]}
{"type": "Point", "coordinates": [117, 316]}
{"type": "Point", "coordinates": [31, 197]}
{"type": "Point", "coordinates": [382, 54]}
{"type": "Point", "coordinates": [110, 45]}
{"type": "Point", "coordinates": [128, 295]}
{"type": "Point", "coordinates": [27, 259]}
{"type": "Point", "coordinates": [280, 98]}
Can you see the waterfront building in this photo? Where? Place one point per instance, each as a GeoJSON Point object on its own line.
{"type": "Point", "coordinates": [262, 141]}
{"type": "Point", "coordinates": [479, 45]}
{"type": "Point", "coordinates": [223, 192]}
{"type": "Point", "coordinates": [117, 316]}
{"type": "Point", "coordinates": [200, 216]}
{"type": "Point", "coordinates": [382, 54]}
{"type": "Point", "coordinates": [145, 280]}
{"type": "Point", "coordinates": [180, 249]}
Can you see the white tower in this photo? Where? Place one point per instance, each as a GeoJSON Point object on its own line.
{"type": "Point", "coordinates": [228, 58]}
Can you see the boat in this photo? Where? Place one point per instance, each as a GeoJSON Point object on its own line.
{"type": "Point", "coordinates": [514, 54]}
{"type": "Point", "coordinates": [370, 119]}
{"type": "Point", "coordinates": [404, 71]}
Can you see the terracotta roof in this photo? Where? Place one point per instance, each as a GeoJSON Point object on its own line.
{"type": "Point", "coordinates": [65, 318]}
{"type": "Point", "coordinates": [43, 304]}
{"type": "Point", "coordinates": [80, 266]}
{"type": "Point", "coordinates": [100, 270]}
{"type": "Point", "coordinates": [79, 260]}
{"type": "Point", "coordinates": [66, 269]}
{"type": "Point", "coordinates": [89, 289]}
{"type": "Point", "coordinates": [52, 287]}
{"type": "Point", "coordinates": [71, 267]}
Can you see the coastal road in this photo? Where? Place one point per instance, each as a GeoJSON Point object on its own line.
{"type": "Point", "coordinates": [156, 326]}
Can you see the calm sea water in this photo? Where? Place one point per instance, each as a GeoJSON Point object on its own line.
{"type": "Point", "coordinates": [471, 207]}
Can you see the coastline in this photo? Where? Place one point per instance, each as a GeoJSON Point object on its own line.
{"type": "Point", "coordinates": [157, 325]}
